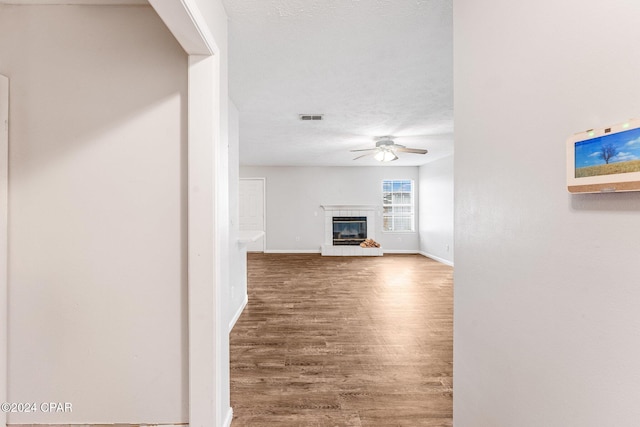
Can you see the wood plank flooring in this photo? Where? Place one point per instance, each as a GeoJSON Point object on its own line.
{"type": "Point", "coordinates": [344, 341]}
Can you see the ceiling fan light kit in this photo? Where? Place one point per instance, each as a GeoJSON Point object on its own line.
{"type": "Point", "coordinates": [385, 156]}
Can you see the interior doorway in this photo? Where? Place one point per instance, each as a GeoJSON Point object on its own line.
{"type": "Point", "coordinates": [252, 210]}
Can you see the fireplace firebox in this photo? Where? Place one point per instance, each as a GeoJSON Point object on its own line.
{"type": "Point", "coordinates": [349, 230]}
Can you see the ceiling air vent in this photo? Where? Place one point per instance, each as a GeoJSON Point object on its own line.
{"type": "Point", "coordinates": [306, 117]}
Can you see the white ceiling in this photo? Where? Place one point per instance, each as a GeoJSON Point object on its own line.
{"type": "Point", "coordinates": [372, 67]}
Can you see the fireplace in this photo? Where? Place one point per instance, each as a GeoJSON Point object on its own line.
{"type": "Point", "coordinates": [349, 230]}
{"type": "Point", "coordinates": [359, 221]}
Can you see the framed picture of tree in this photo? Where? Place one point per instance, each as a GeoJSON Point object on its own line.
{"type": "Point", "coordinates": [605, 160]}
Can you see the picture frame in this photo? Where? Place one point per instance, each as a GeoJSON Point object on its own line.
{"type": "Point", "coordinates": [604, 160]}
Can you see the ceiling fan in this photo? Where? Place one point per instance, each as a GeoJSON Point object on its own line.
{"type": "Point", "coordinates": [386, 150]}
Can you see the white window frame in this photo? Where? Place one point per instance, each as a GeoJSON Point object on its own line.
{"type": "Point", "coordinates": [411, 205]}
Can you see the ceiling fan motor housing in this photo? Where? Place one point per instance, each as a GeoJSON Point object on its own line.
{"type": "Point", "coordinates": [384, 141]}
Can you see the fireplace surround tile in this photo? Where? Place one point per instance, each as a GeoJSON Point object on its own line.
{"type": "Point", "coordinates": [368, 211]}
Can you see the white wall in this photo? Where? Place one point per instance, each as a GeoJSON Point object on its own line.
{"type": "Point", "coordinates": [97, 248]}
{"type": "Point", "coordinates": [547, 290]}
{"type": "Point", "coordinates": [4, 187]}
{"type": "Point", "coordinates": [436, 209]}
{"type": "Point", "coordinates": [294, 196]}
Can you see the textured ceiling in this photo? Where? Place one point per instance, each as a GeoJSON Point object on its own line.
{"type": "Point", "coordinates": [372, 67]}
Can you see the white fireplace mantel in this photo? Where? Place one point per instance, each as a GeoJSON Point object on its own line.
{"type": "Point", "coordinates": [368, 211]}
{"type": "Point", "coordinates": [349, 207]}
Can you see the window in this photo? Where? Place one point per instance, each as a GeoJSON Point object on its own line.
{"type": "Point", "coordinates": [397, 205]}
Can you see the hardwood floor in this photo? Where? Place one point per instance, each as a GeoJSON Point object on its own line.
{"type": "Point", "coordinates": [344, 341]}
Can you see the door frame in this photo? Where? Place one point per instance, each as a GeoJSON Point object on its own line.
{"type": "Point", "coordinates": [264, 208]}
{"type": "Point", "coordinates": [208, 333]}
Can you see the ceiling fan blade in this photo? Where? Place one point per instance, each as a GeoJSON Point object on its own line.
{"type": "Point", "coordinates": [411, 150]}
{"type": "Point", "coordinates": [364, 155]}
{"type": "Point", "coordinates": [364, 149]}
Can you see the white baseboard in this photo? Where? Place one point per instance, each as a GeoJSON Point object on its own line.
{"type": "Point", "coordinates": [401, 251]}
{"type": "Point", "coordinates": [437, 258]}
{"type": "Point", "coordinates": [239, 312]}
{"type": "Point", "coordinates": [292, 251]}
{"type": "Point", "coordinates": [229, 418]}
